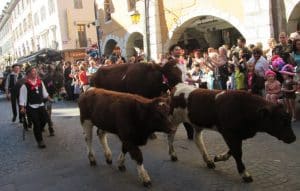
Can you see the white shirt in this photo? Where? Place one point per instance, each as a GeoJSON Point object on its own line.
{"type": "Point", "coordinates": [261, 66]}
{"type": "Point", "coordinates": [23, 96]}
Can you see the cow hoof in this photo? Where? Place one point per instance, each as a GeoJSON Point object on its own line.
{"type": "Point", "coordinates": [93, 163]}
{"type": "Point", "coordinates": [248, 179]}
{"type": "Point", "coordinates": [122, 168]}
{"type": "Point", "coordinates": [147, 184]}
{"type": "Point", "coordinates": [217, 159]}
{"type": "Point", "coordinates": [211, 164]}
{"type": "Point", "coordinates": [109, 161]}
{"type": "Point", "coordinates": [174, 158]}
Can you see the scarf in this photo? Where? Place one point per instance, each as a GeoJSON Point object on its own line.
{"type": "Point", "coordinates": [34, 86]}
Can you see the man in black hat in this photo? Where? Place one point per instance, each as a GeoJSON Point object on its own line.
{"type": "Point", "coordinates": [11, 91]}
{"type": "Point", "coordinates": [32, 95]}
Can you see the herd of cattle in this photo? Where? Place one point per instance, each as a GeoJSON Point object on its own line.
{"type": "Point", "coordinates": [142, 110]}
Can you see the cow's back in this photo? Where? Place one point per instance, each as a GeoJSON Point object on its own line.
{"type": "Point", "coordinates": [238, 109]}
{"type": "Point", "coordinates": [202, 108]}
{"type": "Point", "coordinates": [142, 79]}
{"type": "Point", "coordinates": [111, 77]}
{"type": "Point", "coordinates": [107, 108]}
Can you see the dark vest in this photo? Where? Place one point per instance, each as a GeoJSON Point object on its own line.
{"type": "Point", "coordinates": [34, 97]}
{"type": "Point", "coordinates": [12, 80]}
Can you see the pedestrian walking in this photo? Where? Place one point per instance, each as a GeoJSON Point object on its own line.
{"type": "Point", "coordinates": [32, 95]}
{"type": "Point", "coordinates": [11, 91]}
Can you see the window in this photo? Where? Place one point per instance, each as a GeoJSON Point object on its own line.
{"type": "Point", "coordinates": [29, 21]}
{"type": "Point", "coordinates": [25, 25]}
{"type": "Point", "coordinates": [131, 5]}
{"type": "Point", "coordinates": [107, 10]}
{"type": "Point", "coordinates": [36, 19]}
{"type": "Point", "coordinates": [43, 13]}
{"type": "Point", "coordinates": [20, 28]}
{"type": "Point", "coordinates": [22, 5]}
{"type": "Point", "coordinates": [51, 7]}
{"type": "Point", "coordinates": [78, 4]}
{"type": "Point", "coordinates": [82, 35]}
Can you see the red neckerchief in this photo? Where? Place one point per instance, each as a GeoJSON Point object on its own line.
{"type": "Point", "coordinates": [33, 86]}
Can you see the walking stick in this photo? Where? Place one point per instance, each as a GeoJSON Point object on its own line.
{"type": "Point", "coordinates": [25, 125]}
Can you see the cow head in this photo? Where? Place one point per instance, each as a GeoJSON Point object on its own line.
{"type": "Point", "coordinates": [277, 122]}
{"type": "Point", "coordinates": [155, 116]}
{"type": "Point", "coordinates": [172, 73]}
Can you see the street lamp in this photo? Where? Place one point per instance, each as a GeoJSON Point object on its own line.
{"type": "Point", "coordinates": [135, 17]}
{"type": "Point", "coordinates": [97, 24]}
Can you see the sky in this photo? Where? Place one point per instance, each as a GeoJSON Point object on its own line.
{"type": "Point", "coordinates": [2, 4]}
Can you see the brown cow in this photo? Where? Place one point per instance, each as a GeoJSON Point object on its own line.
{"type": "Point", "coordinates": [131, 117]}
{"type": "Point", "coordinates": [148, 80]}
{"type": "Point", "coordinates": [237, 115]}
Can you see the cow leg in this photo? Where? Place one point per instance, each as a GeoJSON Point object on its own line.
{"type": "Point", "coordinates": [88, 132]}
{"type": "Point", "coordinates": [121, 159]}
{"type": "Point", "coordinates": [137, 155]}
{"type": "Point", "coordinates": [201, 146]}
{"type": "Point", "coordinates": [222, 157]}
{"type": "Point", "coordinates": [235, 146]}
{"type": "Point", "coordinates": [189, 130]}
{"type": "Point", "coordinates": [103, 140]}
{"type": "Point", "coordinates": [172, 152]}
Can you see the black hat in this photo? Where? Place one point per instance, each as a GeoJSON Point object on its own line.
{"type": "Point", "coordinates": [15, 65]}
{"type": "Point", "coordinates": [28, 67]}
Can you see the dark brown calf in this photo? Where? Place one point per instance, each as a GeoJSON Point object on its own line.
{"type": "Point", "coordinates": [131, 117]}
{"type": "Point", "coordinates": [237, 115]}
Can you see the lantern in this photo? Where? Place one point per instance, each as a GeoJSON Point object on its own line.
{"type": "Point", "coordinates": [135, 17]}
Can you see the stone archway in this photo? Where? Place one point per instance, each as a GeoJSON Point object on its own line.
{"type": "Point", "coordinates": [185, 21]}
{"type": "Point", "coordinates": [205, 31]}
{"type": "Point", "coordinates": [293, 19]}
{"type": "Point", "coordinates": [134, 45]}
{"type": "Point", "coordinates": [109, 47]}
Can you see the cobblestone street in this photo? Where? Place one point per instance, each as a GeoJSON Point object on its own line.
{"type": "Point", "coordinates": [63, 165]}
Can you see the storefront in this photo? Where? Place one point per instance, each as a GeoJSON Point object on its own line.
{"type": "Point", "coordinates": [74, 55]}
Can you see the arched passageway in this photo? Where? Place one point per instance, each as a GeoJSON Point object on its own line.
{"type": "Point", "coordinates": [134, 45]}
{"type": "Point", "coordinates": [294, 19]}
{"type": "Point", "coordinates": [109, 47]}
{"type": "Point", "coordinates": [206, 31]}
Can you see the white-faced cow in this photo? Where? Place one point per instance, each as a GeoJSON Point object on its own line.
{"type": "Point", "coordinates": [237, 115]}
{"type": "Point", "coordinates": [131, 117]}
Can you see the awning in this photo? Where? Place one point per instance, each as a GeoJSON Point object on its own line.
{"type": "Point", "coordinates": [46, 55]}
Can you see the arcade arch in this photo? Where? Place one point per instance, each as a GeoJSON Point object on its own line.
{"type": "Point", "coordinates": [205, 31]}
{"type": "Point", "coordinates": [134, 45]}
{"type": "Point", "coordinates": [109, 46]}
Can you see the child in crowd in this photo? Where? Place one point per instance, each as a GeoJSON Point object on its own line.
{"type": "Point", "coordinates": [289, 87]}
{"type": "Point", "coordinates": [239, 78]}
{"type": "Point", "coordinates": [252, 80]}
{"type": "Point", "coordinates": [231, 81]}
{"type": "Point", "coordinates": [272, 87]}
{"type": "Point", "coordinates": [277, 64]}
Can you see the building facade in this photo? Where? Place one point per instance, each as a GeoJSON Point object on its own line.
{"type": "Point", "coordinates": [27, 26]}
{"type": "Point", "coordinates": [192, 23]}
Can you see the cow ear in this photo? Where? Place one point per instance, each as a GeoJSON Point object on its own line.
{"type": "Point", "coordinates": [264, 112]}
